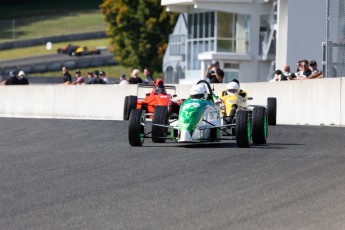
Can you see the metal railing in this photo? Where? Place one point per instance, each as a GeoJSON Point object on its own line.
{"type": "Point", "coordinates": [334, 48]}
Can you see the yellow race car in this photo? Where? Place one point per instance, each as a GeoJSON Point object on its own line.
{"type": "Point", "coordinates": [81, 51]}
{"type": "Point", "coordinates": [235, 100]}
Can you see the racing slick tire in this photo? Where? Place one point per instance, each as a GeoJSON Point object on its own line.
{"type": "Point", "coordinates": [136, 127]}
{"type": "Point", "coordinates": [160, 116]}
{"type": "Point", "coordinates": [272, 110]}
{"type": "Point", "coordinates": [231, 117]}
{"type": "Point", "coordinates": [130, 103]}
{"type": "Point", "coordinates": [125, 109]}
{"type": "Point", "coordinates": [243, 129]}
{"type": "Point", "coordinates": [259, 125]}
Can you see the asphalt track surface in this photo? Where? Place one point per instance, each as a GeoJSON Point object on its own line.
{"type": "Point", "coordinates": [49, 58]}
{"type": "Point", "coordinates": [80, 174]}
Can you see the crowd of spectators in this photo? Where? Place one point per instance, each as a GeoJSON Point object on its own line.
{"type": "Point", "coordinates": [100, 77]}
{"type": "Point", "coordinates": [15, 78]}
{"type": "Point", "coordinates": [93, 77]}
{"type": "Point", "coordinates": [304, 71]}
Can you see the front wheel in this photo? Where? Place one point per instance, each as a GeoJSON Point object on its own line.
{"type": "Point", "coordinates": [243, 129]}
{"type": "Point", "coordinates": [160, 117]}
{"type": "Point", "coordinates": [136, 127]}
{"type": "Point", "coordinates": [260, 125]}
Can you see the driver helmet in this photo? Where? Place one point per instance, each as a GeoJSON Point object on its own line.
{"type": "Point", "coordinates": [232, 87]}
{"type": "Point", "coordinates": [198, 92]}
{"type": "Point", "coordinates": [160, 89]}
{"type": "Point", "coordinates": [237, 81]}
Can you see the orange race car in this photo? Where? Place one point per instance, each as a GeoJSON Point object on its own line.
{"type": "Point", "coordinates": [157, 97]}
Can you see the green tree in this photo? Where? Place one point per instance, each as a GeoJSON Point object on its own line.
{"type": "Point", "coordinates": [139, 31]}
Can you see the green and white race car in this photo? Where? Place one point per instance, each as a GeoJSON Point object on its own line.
{"type": "Point", "coordinates": [200, 120]}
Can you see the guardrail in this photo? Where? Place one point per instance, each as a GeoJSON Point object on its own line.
{"type": "Point", "coordinates": [300, 102]}
{"type": "Point", "coordinates": [55, 65]}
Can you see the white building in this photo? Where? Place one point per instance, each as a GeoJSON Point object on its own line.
{"type": "Point", "coordinates": [248, 37]}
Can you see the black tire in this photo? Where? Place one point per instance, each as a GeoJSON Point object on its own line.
{"type": "Point", "coordinates": [136, 127]}
{"type": "Point", "coordinates": [230, 119]}
{"type": "Point", "coordinates": [125, 109]}
{"type": "Point", "coordinates": [160, 116]}
{"type": "Point", "coordinates": [243, 129]}
{"type": "Point", "coordinates": [259, 125]}
{"type": "Point", "coordinates": [272, 110]}
{"type": "Point", "coordinates": [131, 104]}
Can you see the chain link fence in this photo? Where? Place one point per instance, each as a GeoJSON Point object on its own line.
{"type": "Point", "coordinates": [334, 48]}
{"type": "Point", "coordinates": [51, 25]}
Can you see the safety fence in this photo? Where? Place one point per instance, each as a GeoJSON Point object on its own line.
{"type": "Point", "coordinates": [334, 47]}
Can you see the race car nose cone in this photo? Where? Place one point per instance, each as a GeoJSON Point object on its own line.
{"type": "Point", "coordinates": [185, 136]}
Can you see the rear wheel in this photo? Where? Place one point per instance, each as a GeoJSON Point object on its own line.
{"type": "Point", "coordinates": [136, 127]}
{"type": "Point", "coordinates": [272, 110]}
{"type": "Point", "coordinates": [129, 105]}
{"type": "Point", "coordinates": [160, 116]}
{"type": "Point", "coordinates": [243, 129]}
{"type": "Point", "coordinates": [260, 125]}
{"type": "Point", "coordinates": [125, 109]}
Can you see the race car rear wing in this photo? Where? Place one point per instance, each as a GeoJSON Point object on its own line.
{"type": "Point", "coordinates": [141, 85]}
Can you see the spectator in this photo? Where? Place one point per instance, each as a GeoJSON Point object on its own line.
{"type": "Point", "coordinates": [89, 76]}
{"type": "Point", "coordinates": [80, 79]}
{"type": "Point", "coordinates": [22, 79]}
{"type": "Point", "coordinates": [67, 78]}
{"type": "Point", "coordinates": [123, 80]}
{"type": "Point", "coordinates": [283, 75]}
{"type": "Point", "coordinates": [135, 79]}
{"type": "Point", "coordinates": [304, 70]}
{"type": "Point", "coordinates": [96, 79]}
{"type": "Point", "coordinates": [104, 77]}
{"type": "Point", "coordinates": [214, 73]}
{"type": "Point", "coordinates": [12, 79]}
{"type": "Point", "coordinates": [96, 73]}
{"type": "Point", "coordinates": [148, 76]}
{"type": "Point", "coordinates": [315, 73]}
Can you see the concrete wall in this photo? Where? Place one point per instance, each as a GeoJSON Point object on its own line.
{"type": "Point", "coordinates": [308, 102]}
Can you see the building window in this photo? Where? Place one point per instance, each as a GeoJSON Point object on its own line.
{"type": "Point", "coordinates": [232, 33]}
{"type": "Point", "coordinates": [218, 32]}
{"type": "Point", "coordinates": [231, 71]}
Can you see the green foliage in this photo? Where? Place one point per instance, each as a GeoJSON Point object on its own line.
{"type": "Point", "coordinates": [139, 31]}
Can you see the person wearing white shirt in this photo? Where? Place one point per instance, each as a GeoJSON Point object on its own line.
{"type": "Point", "coordinates": [123, 80]}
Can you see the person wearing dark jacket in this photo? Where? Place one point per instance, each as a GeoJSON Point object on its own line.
{"type": "Point", "coordinates": [96, 79]}
{"type": "Point", "coordinates": [13, 79]}
{"type": "Point", "coordinates": [67, 78]}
